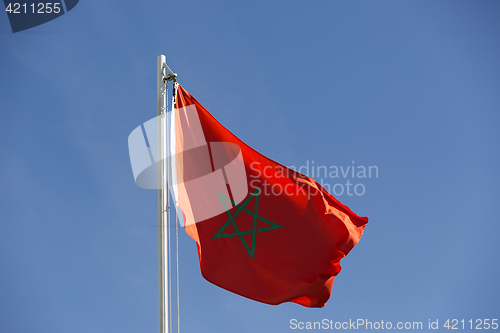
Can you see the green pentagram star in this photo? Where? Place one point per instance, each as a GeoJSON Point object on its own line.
{"type": "Point", "coordinates": [242, 208]}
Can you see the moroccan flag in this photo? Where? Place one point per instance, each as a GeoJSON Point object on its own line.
{"type": "Point", "coordinates": [263, 231]}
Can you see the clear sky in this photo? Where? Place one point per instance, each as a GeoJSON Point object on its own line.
{"type": "Point", "coordinates": [411, 87]}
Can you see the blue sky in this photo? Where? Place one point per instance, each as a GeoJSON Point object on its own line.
{"type": "Point", "coordinates": [410, 87]}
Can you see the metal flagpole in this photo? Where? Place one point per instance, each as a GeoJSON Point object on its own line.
{"type": "Point", "coordinates": [162, 196]}
{"type": "Point", "coordinates": [164, 74]}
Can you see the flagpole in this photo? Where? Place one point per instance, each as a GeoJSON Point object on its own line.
{"type": "Point", "coordinates": [164, 74]}
{"type": "Point", "coordinates": [162, 197]}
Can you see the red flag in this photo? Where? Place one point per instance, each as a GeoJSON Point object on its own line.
{"type": "Point", "coordinates": [263, 231]}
